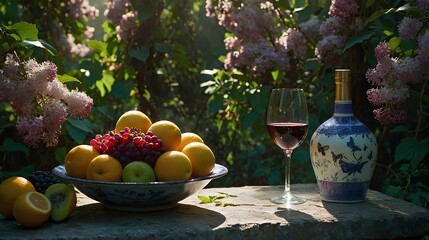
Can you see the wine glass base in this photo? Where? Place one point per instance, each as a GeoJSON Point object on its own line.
{"type": "Point", "coordinates": [288, 199]}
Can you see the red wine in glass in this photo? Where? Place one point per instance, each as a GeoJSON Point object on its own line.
{"type": "Point", "coordinates": [287, 121]}
{"type": "Point", "coordinates": [288, 135]}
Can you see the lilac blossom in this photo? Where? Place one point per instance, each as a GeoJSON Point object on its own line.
{"type": "Point", "coordinates": [310, 28]}
{"type": "Point", "coordinates": [40, 100]}
{"type": "Point", "coordinates": [258, 43]}
{"type": "Point", "coordinates": [409, 28]}
{"type": "Point", "coordinates": [121, 15]}
{"type": "Point", "coordinates": [343, 8]}
{"type": "Point", "coordinates": [423, 4]}
{"type": "Point", "coordinates": [81, 8]}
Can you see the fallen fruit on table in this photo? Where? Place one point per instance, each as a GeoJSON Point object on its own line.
{"type": "Point", "coordinates": [63, 200]}
{"type": "Point", "coordinates": [32, 209]}
{"type": "Point", "coordinates": [10, 190]}
{"type": "Point", "coordinates": [41, 180]}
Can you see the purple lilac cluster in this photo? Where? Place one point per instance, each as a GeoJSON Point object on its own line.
{"type": "Point", "coordinates": [257, 43]}
{"type": "Point", "coordinates": [66, 43]}
{"type": "Point", "coordinates": [123, 17]}
{"type": "Point", "coordinates": [391, 76]}
{"type": "Point", "coordinates": [342, 19]}
{"type": "Point", "coordinates": [40, 100]}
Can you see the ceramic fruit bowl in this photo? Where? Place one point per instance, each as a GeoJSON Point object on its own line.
{"type": "Point", "coordinates": [140, 196]}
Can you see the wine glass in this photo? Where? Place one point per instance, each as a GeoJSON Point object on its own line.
{"type": "Point", "coordinates": [287, 121]}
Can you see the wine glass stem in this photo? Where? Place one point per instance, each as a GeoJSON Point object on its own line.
{"type": "Point", "coordinates": [288, 155]}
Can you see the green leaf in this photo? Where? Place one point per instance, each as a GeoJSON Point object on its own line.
{"type": "Point", "coordinates": [399, 129]}
{"type": "Point", "coordinates": [64, 78]}
{"type": "Point", "coordinates": [248, 119]}
{"type": "Point", "coordinates": [413, 150]}
{"type": "Point", "coordinates": [215, 104]}
{"type": "Point", "coordinates": [161, 47]}
{"type": "Point", "coordinates": [299, 5]}
{"type": "Point", "coordinates": [49, 48]}
{"type": "Point", "coordinates": [122, 89]}
{"type": "Point", "coordinates": [94, 71]}
{"type": "Point", "coordinates": [142, 54]}
{"type": "Point", "coordinates": [368, 3]}
{"type": "Point", "coordinates": [379, 13]}
{"type": "Point", "coordinates": [394, 42]}
{"type": "Point", "coordinates": [82, 124]}
{"type": "Point", "coordinates": [60, 154]}
{"type": "Point", "coordinates": [108, 80]}
{"type": "Point", "coordinates": [207, 83]}
{"type": "Point", "coordinates": [40, 44]}
{"type": "Point", "coordinates": [210, 72]}
{"type": "Point", "coordinates": [392, 190]}
{"type": "Point", "coordinates": [180, 56]}
{"type": "Point", "coordinates": [259, 100]}
{"type": "Point", "coordinates": [9, 145]}
{"type": "Point", "coordinates": [97, 45]}
{"type": "Point", "coordinates": [404, 7]}
{"type": "Point", "coordinates": [25, 30]}
{"type": "Point", "coordinates": [100, 86]}
{"type": "Point", "coordinates": [76, 134]}
{"type": "Point", "coordinates": [358, 39]}
{"type": "Point", "coordinates": [204, 199]}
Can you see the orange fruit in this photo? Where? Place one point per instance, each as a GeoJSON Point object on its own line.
{"type": "Point", "coordinates": [104, 168]}
{"type": "Point", "coordinates": [172, 166]}
{"type": "Point", "coordinates": [189, 137]}
{"type": "Point", "coordinates": [32, 209]}
{"type": "Point", "coordinates": [10, 189]}
{"type": "Point", "coordinates": [202, 158]}
{"type": "Point", "coordinates": [78, 159]}
{"type": "Point", "coordinates": [134, 119]}
{"type": "Point", "coordinates": [168, 132]}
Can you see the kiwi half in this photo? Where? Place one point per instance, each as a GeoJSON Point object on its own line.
{"type": "Point", "coordinates": [63, 200]}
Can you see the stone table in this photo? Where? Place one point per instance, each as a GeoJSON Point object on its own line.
{"type": "Point", "coordinates": [248, 214]}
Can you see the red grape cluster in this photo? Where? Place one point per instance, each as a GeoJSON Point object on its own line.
{"type": "Point", "coordinates": [129, 145]}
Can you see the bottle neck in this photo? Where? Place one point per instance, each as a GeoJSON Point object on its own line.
{"type": "Point", "coordinates": [343, 96]}
{"type": "Point", "coordinates": [343, 91]}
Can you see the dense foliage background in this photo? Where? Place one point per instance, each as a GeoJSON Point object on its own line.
{"type": "Point", "coordinates": [209, 66]}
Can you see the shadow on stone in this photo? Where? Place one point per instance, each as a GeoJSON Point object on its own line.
{"type": "Point", "coordinates": [293, 216]}
{"type": "Point", "coordinates": [183, 215]}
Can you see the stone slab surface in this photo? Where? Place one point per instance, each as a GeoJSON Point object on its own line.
{"type": "Point", "coordinates": [249, 215]}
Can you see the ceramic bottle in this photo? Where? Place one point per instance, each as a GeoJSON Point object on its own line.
{"type": "Point", "coordinates": [343, 150]}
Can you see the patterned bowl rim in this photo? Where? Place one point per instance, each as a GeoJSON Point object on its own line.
{"type": "Point", "coordinates": [217, 172]}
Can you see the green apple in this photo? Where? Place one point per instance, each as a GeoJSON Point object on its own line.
{"type": "Point", "coordinates": [138, 171]}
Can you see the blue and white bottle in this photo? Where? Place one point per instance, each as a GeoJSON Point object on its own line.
{"type": "Point", "coordinates": [343, 150]}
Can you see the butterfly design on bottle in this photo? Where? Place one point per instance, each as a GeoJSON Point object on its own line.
{"type": "Point", "coordinates": [349, 167]}
{"type": "Point", "coordinates": [322, 148]}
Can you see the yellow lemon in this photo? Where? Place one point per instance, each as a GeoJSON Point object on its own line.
{"type": "Point", "coordinates": [104, 168]}
{"type": "Point", "coordinates": [188, 137]}
{"type": "Point", "coordinates": [172, 166]}
{"type": "Point", "coordinates": [134, 119]}
{"type": "Point", "coordinates": [78, 159]}
{"type": "Point", "coordinates": [10, 189]}
{"type": "Point", "coordinates": [32, 209]}
{"type": "Point", "coordinates": [202, 158]}
{"type": "Point", "coordinates": [168, 132]}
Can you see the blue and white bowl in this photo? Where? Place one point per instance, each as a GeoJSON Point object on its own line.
{"type": "Point", "coordinates": [140, 196]}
